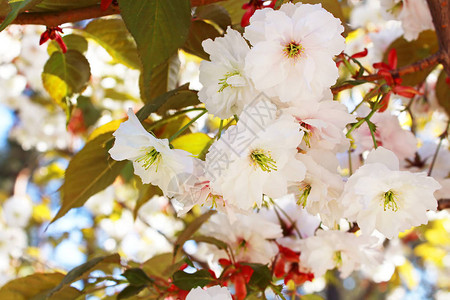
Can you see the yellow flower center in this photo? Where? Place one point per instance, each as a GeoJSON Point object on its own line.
{"type": "Point", "coordinates": [223, 84]}
{"type": "Point", "coordinates": [338, 258]}
{"type": "Point", "coordinates": [304, 193]}
{"type": "Point", "coordinates": [263, 160]}
{"type": "Point", "coordinates": [150, 158]}
{"type": "Point", "coordinates": [389, 201]}
{"type": "Point", "coordinates": [293, 50]}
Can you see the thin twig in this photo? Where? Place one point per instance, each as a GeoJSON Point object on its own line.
{"type": "Point", "coordinates": [442, 137]}
{"type": "Point", "coordinates": [412, 68]}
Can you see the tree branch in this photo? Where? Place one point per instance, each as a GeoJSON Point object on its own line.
{"type": "Point", "coordinates": [440, 11]}
{"type": "Point", "coordinates": [52, 19]}
{"type": "Point", "coordinates": [443, 204]}
{"type": "Point", "coordinates": [417, 66]}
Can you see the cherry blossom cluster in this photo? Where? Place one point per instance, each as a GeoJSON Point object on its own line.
{"type": "Point", "coordinates": [275, 176]}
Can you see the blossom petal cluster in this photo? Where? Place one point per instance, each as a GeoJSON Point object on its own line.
{"type": "Point", "coordinates": [264, 166]}
{"type": "Point", "coordinates": [380, 197]}
{"type": "Point", "coordinates": [293, 49]}
{"type": "Point", "coordinates": [337, 249]}
{"type": "Point", "coordinates": [274, 175]}
{"type": "Point", "coordinates": [153, 160]}
{"type": "Point", "coordinates": [226, 87]}
{"type": "Point", "coordinates": [247, 235]}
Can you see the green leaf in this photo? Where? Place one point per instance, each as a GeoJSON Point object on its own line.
{"type": "Point", "coordinates": [198, 32]}
{"type": "Point", "coordinates": [130, 291]}
{"type": "Point", "coordinates": [105, 128]}
{"type": "Point", "coordinates": [163, 78]}
{"type": "Point", "coordinates": [162, 265]}
{"type": "Point", "coordinates": [181, 100]}
{"type": "Point", "coordinates": [16, 6]}
{"type": "Point", "coordinates": [191, 229]}
{"type": "Point", "coordinates": [167, 130]}
{"type": "Point", "coordinates": [72, 41]}
{"type": "Point", "coordinates": [85, 269]}
{"type": "Point", "coordinates": [159, 101]}
{"type": "Point", "coordinates": [410, 52]}
{"type": "Point", "coordinates": [136, 276]}
{"type": "Point", "coordinates": [90, 113]}
{"type": "Point", "coordinates": [146, 192]}
{"type": "Point", "coordinates": [234, 8]}
{"type": "Point", "coordinates": [65, 74]}
{"type": "Point", "coordinates": [210, 240]}
{"type": "Point", "coordinates": [214, 13]}
{"type": "Point", "coordinates": [159, 28]}
{"type": "Point", "coordinates": [443, 92]}
{"type": "Point", "coordinates": [118, 95]}
{"type": "Point", "coordinates": [192, 142]}
{"type": "Point", "coordinates": [90, 171]}
{"type": "Point", "coordinates": [113, 35]}
{"type": "Point", "coordinates": [127, 172]}
{"type": "Point", "coordinates": [61, 5]}
{"type": "Point", "coordinates": [41, 284]}
{"type": "Point", "coordinates": [261, 277]}
{"type": "Point", "coordinates": [186, 281]}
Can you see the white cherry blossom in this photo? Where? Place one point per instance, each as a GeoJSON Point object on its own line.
{"type": "Point", "coordinates": [226, 88]}
{"type": "Point", "coordinates": [321, 189]}
{"type": "Point", "coordinates": [153, 160]}
{"type": "Point", "coordinates": [293, 49]}
{"type": "Point", "coordinates": [248, 236]}
{"type": "Point", "coordinates": [254, 163]}
{"type": "Point", "coordinates": [17, 211]}
{"type": "Point", "coordinates": [337, 249]}
{"type": "Point", "coordinates": [380, 197]}
{"type": "Point", "coordinates": [323, 123]}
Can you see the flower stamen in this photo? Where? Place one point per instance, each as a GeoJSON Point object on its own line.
{"type": "Point", "coordinates": [150, 158]}
{"type": "Point", "coordinates": [223, 83]}
{"type": "Point", "coordinates": [389, 201]}
{"type": "Point", "coordinates": [306, 133]}
{"type": "Point", "coordinates": [338, 258]}
{"type": "Point", "coordinates": [293, 50]}
{"type": "Point", "coordinates": [265, 161]}
{"type": "Point", "coordinates": [305, 191]}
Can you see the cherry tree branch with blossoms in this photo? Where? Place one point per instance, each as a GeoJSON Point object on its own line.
{"type": "Point", "coordinates": [238, 169]}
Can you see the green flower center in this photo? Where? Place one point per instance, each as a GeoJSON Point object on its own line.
{"type": "Point", "coordinates": [263, 160]}
{"type": "Point", "coordinates": [223, 84]}
{"type": "Point", "coordinates": [389, 199]}
{"type": "Point", "coordinates": [338, 258]}
{"type": "Point", "coordinates": [293, 50]}
{"type": "Point", "coordinates": [150, 158]}
{"type": "Point", "coordinates": [306, 133]}
{"type": "Point", "coordinates": [304, 193]}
